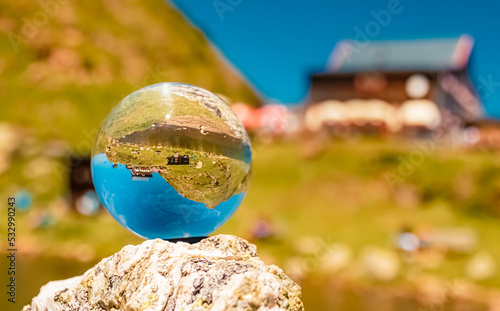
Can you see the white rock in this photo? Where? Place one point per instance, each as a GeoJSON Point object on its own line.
{"type": "Point", "coordinates": [219, 273]}
{"type": "Point", "coordinates": [482, 266]}
{"type": "Point", "coordinates": [460, 239]}
{"type": "Point", "coordinates": [336, 258]}
{"type": "Point", "coordinates": [49, 290]}
{"type": "Point", "coordinates": [381, 264]}
{"type": "Point", "coordinates": [307, 245]}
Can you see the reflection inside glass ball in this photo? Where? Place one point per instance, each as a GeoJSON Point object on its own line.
{"type": "Point", "coordinates": [171, 161]}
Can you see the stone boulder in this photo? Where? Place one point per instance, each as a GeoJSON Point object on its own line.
{"type": "Point", "coordinates": [221, 272]}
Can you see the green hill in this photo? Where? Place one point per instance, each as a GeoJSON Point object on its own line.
{"type": "Point", "coordinates": [65, 64]}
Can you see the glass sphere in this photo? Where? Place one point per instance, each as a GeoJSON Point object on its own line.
{"type": "Point", "coordinates": [171, 161]}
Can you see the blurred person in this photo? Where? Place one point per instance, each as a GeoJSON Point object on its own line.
{"type": "Point", "coordinates": [262, 229]}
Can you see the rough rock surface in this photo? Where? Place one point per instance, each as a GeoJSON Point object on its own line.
{"type": "Point", "coordinates": [221, 272]}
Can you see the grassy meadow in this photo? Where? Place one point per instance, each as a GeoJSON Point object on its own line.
{"type": "Point", "coordinates": [337, 201]}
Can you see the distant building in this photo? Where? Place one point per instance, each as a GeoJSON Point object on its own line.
{"type": "Point", "coordinates": [141, 173]}
{"type": "Point", "coordinates": [80, 182]}
{"type": "Point", "coordinates": [274, 119]}
{"type": "Point", "coordinates": [80, 178]}
{"type": "Point", "coordinates": [395, 86]}
{"type": "Point", "coordinates": [178, 160]}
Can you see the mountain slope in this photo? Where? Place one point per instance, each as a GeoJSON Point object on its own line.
{"type": "Point", "coordinates": [65, 64]}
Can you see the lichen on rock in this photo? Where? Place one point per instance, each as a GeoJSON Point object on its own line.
{"type": "Point", "coordinates": [221, 272]}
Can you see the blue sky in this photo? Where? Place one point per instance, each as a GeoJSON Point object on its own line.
{"type": "Point", "coordinates": [277, 44]}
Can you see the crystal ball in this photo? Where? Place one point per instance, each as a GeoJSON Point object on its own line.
{"type": "Point", "coordinates": [171, 161]}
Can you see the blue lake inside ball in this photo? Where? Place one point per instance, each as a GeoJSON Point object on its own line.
{"type": "Point", "coordinates": [151, 207]}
